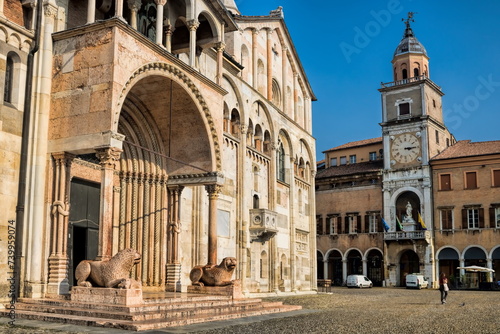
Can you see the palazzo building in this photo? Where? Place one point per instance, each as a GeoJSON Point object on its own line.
{"type": "Point", "coordinates": [414, 200]}
{"type": "Point", "coordinates": [179, 128]}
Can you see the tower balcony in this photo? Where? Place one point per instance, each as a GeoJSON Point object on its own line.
{"type": "Point", "coordinates": [263, 224]}
{"type": "Point", "coordinates": [409, 81]}
{"type": "Point", "coordinates": [407, 235]}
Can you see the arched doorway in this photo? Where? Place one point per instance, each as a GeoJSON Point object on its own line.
{"type": "Point", "coordinates": [319, 265]}
{"type": "Point", "coordinates": [335, 268]}
{"type": "Point", "coordinates": [474, 256]}
{"type": "Point", "coordinates": [448, 263]}
{"type": "Point", "coordinates": [495, 258]}
{"type": "Point", "coordinates": [408, 264]}
{"type": "Point", "coordinates": [354, 263]}
{"type": "Point", "coordinates": [375, 267]}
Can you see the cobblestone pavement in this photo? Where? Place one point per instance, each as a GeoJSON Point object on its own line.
{"type": "Point", "coordinates": [377, 310]}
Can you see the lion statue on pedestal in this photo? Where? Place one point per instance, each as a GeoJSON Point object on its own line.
{"type": "Point", "coordinates": [113, 273]}
{"type": "Point", "coordinates": [214, 275]}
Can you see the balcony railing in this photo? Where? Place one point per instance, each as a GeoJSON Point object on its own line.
{"type": "Point", "coordinates": [403, 82]}
{"type": "Point", "coordinates": [408, 235]}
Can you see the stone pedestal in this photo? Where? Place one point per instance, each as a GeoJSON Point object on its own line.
{"type": "Point", "coordinates": [107, 296]}
{"type": "Point", "coordinates": [173, 277]}
{"type": "Point", "coordinates": [228, 290]}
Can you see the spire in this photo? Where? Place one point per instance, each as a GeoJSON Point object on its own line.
{"type": "Point", "coordinates": [408, 31]}
{"type": "Point", "coordinates": [409, 43]}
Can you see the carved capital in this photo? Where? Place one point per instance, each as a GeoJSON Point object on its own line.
{"type": "Point", "coordinates": [134, 5]}
{"type": "Point", "coordinates": [220, 46]}
{"type": "Point", "coordinates": [213, 190]}
{"type": "Point", "coordinates": [108, 156]}
{"type": "Point", "coordinates": [176, 189]}
{"type": "Point", "coordinates": [50, 10]}
{"type": "Point", "coordinates": [63, 158]}
{"type": "Point", "coordinates": [193, 24]}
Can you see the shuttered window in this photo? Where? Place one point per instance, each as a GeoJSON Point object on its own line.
{"type": "Point", "coordinates": [445, 182]}
{"type": "Point", "coordinates": [470, 180]}
{"type": "Point", "coordinates": [496, 178]}
{"type": "Point", "coordinates": [446, 219]}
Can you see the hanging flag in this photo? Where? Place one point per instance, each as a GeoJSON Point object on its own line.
{"type": "Point", "coordinates": [386, 226]}
{"type": "Point", "coordinates": [421, 221]}
{"type": "Point", "coordinates": [399, 224]}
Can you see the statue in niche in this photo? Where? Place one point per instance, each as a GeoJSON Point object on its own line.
{"type": "Point", "coordinates": [214, 275]}
{"type": "Point", "coordinates": [113, 273]}
{"type": "Point", "coordinates": [408, 217]}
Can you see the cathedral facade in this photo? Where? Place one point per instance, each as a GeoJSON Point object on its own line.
{"type": "Point", "coordinates": [179, 128]}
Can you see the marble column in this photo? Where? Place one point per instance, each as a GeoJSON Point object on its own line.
{"type": "Point", "coordinates": [119, 9]}
{"type": "Point", "coordinates": [325, 270]}
{"type": "Point", "coordinates": [134, 6]}
{"type": "Point", "coordinates": [255, 80]}
{"type": "Point", "coordinates": [344, 270]}
{"type": "Point", "coordinates": [108, 156]}
{"type": "Point", "coordinates": [213, 191]}
{"type": "Point", "coordinates": [91, 11]}
{"type": "Point", "coordinates": [169, 30]}
{"type": "Point", "coordinates": [58, 259]}
{"type": "Point", "coordinates": [269, 73]}
{"type": "Point", "coordinates": [193, 26]}
{"type": "Point", "coordinates": [174, 224]}
{"type": "Point", "coordinates": [295, 98]}
{"type": "Point", "coordinates": [284, 70]}
{"type": "Point", "coordinates": [159, 20]}
{"type": "Point", "coordinates": [365, 267]}
{"type": "Point", "coordinates": [1, 7]}
{"type": "Point", "coordinates": [220, 53]}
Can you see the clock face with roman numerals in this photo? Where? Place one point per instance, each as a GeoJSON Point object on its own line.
{"type": "Point", "coordinates": [405, 148]}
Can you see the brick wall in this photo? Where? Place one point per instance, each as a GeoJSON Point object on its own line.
{"type": "Point", "coordinates": [13, 11]}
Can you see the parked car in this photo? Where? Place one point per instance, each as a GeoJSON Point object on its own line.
{"type": "Point", "coordinates": [358, 281]}
{"type": "Point", "coordinates": [416, 281]}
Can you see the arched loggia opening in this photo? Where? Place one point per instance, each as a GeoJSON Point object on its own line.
{"type": "Point", "coordinates": [157, 147]}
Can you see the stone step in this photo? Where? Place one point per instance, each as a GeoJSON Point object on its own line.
{"type": "Point", "coordinates": [146, 313]}
{"type": "Point", "coordinates": [148, 324]}
{"type": "Point", "coordinates": [158, 306]}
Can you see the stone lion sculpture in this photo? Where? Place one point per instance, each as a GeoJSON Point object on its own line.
{"type": "Point", "coordinates": [113, 273]}
{"type": "Point", "coordinates": [214, 275]}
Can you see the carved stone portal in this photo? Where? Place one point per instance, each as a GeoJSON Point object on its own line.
{"type": "Point", "coordinates": [113, 273]}
{"type": "Point", "coordinates": [214, 275]}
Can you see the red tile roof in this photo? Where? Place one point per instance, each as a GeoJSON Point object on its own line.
{"type": "Point", "coordinates": [357, 168]}
{"type": "Point", "coordinates": [358, 143]}
{"type": "Point", "coordinates": [466, 148]}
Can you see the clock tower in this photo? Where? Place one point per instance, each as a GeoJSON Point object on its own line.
{"type": "Point", "coordinates": [413, 132]}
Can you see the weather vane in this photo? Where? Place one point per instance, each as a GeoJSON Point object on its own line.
{"type": "Point", "coordinates": [409, 19]}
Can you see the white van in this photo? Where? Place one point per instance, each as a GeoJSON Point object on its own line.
{"type": "Point", "coordinates": [416, 281]}
{"type": "Point", "coordinates": [358, 281]}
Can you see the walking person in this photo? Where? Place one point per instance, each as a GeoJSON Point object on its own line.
{"type": "Point", "coordinates": [443, 287]}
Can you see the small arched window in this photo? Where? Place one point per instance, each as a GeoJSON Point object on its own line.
{"type": "Point", "coordinates": [405, 74]}
{"type": "Point", "coordinates": [255, 201]}
{"type": "Point", "coordinates": [280, 157]}
{"type": "Point", "coordinates": [9, 80]}
{"type": "Point", "coordinates": [416, 72]}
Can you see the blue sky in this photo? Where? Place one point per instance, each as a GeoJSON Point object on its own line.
{"type": "Point", "coordinates": [345, 68]}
